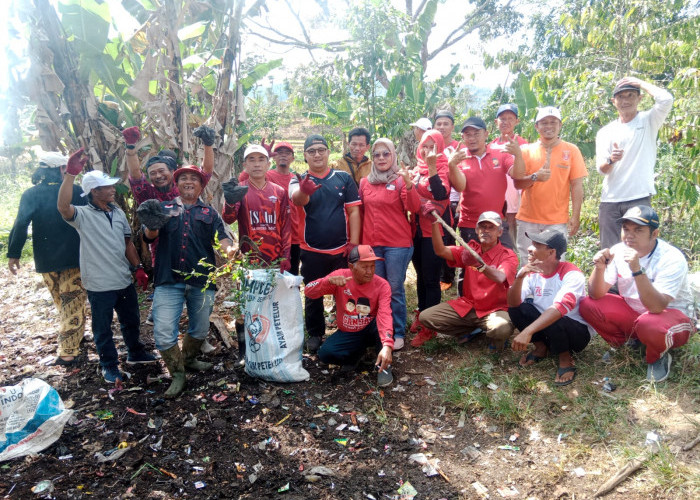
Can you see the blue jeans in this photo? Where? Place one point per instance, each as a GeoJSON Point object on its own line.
{"type": "Point", "coordinates": [103, 304]}
{"type": "Point", "coordinates": [167, 309]}
{"type": "Point", "coordinates": [393, 269]}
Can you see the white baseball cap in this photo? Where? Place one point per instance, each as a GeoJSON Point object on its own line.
{"type": "Point", "coordinates": [95, 179]}
{"type": "Point", "coordinates": [255, 148]}
{"type": "Point", "coordinates": [423, 124]}
{"type": "Point", "coordinates": [548, 111]}
{"type": "Point", "coordinates": [53, 159]}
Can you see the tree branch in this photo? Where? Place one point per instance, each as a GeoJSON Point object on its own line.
{"type": "Point", "coordinates": [418, 10]}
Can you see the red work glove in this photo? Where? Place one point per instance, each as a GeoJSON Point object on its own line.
{"type": "Point", "coordinates": [77, 162]}
{"type": "Point", "coordinates": [426, 210]}
{"type": "Point", "coordinates": [141, 278]}
{"type": "Point", "coordinates": [348, 249]}
{"type": "Point", "coordinates": [132, 135]}
{"type": "Point", "coordinates": [285, 265]}
{"type": "Point", "coordinates": [307, 186]}
{"type": "Point", "coordinates": [268, 147]}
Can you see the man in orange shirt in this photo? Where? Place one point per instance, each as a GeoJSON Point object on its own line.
{"type": "Point", "coordinates": [553, 174]}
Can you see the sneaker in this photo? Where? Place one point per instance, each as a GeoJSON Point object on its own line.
{"type": "Point", "coordinates": [140, 358]}
{"type": "Point", "coordinates": [384, 377]}
{"type": "Point", "coordinates": [423, 336]}
{"type": "Point", "coordinates": [149, 319]}
{"type": "Point", "coordinates": [660, 369]}
{"type": "Point", "coordinates": [313, 343]}
{"type": "Point", "coordinates": [415, 326]}
{"type": "Point", "coordinates": [112, 374]}
{"type": "Point", "coordinates": [398, 343]}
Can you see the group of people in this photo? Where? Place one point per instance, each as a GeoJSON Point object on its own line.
{"type": "Point", "coordinates": [351, 229]}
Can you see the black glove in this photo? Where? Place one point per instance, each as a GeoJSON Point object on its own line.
{"type": "Point", "coordinates": [206, 134]}
{"type": "Point", "coordinates": [233, 193]}
{"type": "Point", "coordinates": [151, 215]}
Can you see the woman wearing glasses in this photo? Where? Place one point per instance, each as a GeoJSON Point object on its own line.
{"type": "Point", "coordinates": [387, 197]}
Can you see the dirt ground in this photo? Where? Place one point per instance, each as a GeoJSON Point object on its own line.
{"type": "Point", "coordinates": [232, 436]}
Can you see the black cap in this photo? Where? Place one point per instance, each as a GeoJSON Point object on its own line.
{"type": "Point", "coordinates": [552, 238]}
{"type": "Point", "coordinates": [621, 87]}
{"type": "Point", "coordinates": [507, 107]}
{"type": "Point", "coordinates": [314, 139]}
{"type": "Point", "coordinates": [642, 215]}
{"type": "Point", "coordinates": [445, 113]}
{"type": "Point", "coordinates": [474, 122]}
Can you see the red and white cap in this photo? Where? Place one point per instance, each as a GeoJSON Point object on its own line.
{"type": "Point", "coordinates": [362, 253]}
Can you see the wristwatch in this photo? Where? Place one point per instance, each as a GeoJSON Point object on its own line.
{"type": "Point", "coordinates": [609, 161]}
{"type": "Point", "coordinates": [481, 268]}
{"type": "Point", "coordinates": [533, 177]}
{"type": "Point", "coordinates": [637, 273]}
{"type": "Point", "coordinates": [133, 269]}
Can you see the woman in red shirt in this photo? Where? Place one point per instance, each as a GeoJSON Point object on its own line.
{"type": "Point", "coordinates": [433, 186]}
{"type": "Point", "coordinates": [387, 195]}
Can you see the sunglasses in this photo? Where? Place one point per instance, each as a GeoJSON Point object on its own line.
{"type": "Point", "coordinates": [384, 154]}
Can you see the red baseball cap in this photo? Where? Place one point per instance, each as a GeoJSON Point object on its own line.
{"type": "Point", "coordinates": [280, 145]}
{"type": "Point", "coordinates": [189, 168]}
{"type": "Point", "coordinates": [362, 253]}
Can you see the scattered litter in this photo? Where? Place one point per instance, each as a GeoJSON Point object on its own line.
{"type": "Point", "coordinates": [341, 427]}
{"type": "Point", "coordinates": [609, 386]}
{"type": "Point", "coordinates": [192, 422]}
{"type": "Point", "coordinates": [428, 435]}
{"type": "Point", "coordinates": [65, 457]}
{"type": "Point", "coordinates": [381, 473]}
{"type": "Point", "coordinates": [112, 455]}
{"type": "Point", "coordinates": [332, 422]}
{"type": "Point", "coordinates": [153, 380]}
{"type": "Point", "coordinates": [329, 408]}
{"type": "Point", "coordinates": [652, 442]}
{"type": "Point", "coordinates": [561, 437]}
{"type": "Point", "coordinates": [283, 420]}
{"type": "Point", "coordinates": [509, 447]}
{"type": "Point", "coordinates": [354, 428]}
{"type": "Point", "coordinates": [200, 484]}
{"type": "Point", "coordinates": [155, 423]}
{"type": "Point", "coordinates": [131, 410]}
{"type": "Point", "coordinates": [430, 381]}
{"type": "Point", "coordinates": [492, 386]}
{"type": "Point", "coordinates": [157, 446]}
{"type": "Point", "coordinates": [312, 478]}
{"type": "Point", "coordinates": [362, 419]}
{"type": "Point", "coordinates": [321, 471]}
{"type": "Point", "coordinates": [284, 488]}
{"type": "Point", "coordinates": [253, 400]}
{"type": "Point", "coordinates": [218, 397]}
{"type": "Point", "coordinates": [407, 491]}
{"type": "Point", "coordinates": [43, 487]}
{"type": "Point", "coordinates": [342, 441]}
{"type": "Point", "coordinates": [104, 414]}
{"type": "Point", "coordinates": [462, 417]}
{"type": "Point", "coordinates": [252, 478]}
{"type": "Point", "coordinates": [471, 452]}
{"type": "Point", "coordinates": [480, 489]}
{"type": "Point", "coordinates": [535, 435]}
{"type": "Point", "coordinates": [579, 472]}
{"type": "Point", "coordinates": [508, 491]}
{"type": "Point", "coordinates": [514, 437]}
{"type": "Point", "coordinates": [398, 388]}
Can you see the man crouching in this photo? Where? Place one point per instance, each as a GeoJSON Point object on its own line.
{"type": "Point", "coordinates": [363, 312]}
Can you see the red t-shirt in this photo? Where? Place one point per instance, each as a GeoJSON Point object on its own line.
{"type": "Point", "coordinates": [263, 216]}
{"type": "Point", "coordinates": [480, 293]}
{"type": "Point", "coordinates": [486, 185]}
{"type": "Point", "coordinates": [384, 222]}
{"type": "Point", "coordinates": [357, 305]}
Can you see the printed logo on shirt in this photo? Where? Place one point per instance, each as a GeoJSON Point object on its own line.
{"type": "Point", "coordinates": [391, 187]}
{"type": "Point", "coordinates": [205, 211]}
{"type": "Point", "coordinates": [272, 198]}
{"type": "Point", "coordinates": [347, 292]}
{"type": "Point", "coordinates": [496, 164]}
{"type": "Point", "coordinates": [566, 155]}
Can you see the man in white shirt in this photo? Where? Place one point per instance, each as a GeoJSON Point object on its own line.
{"type": "Point", "coordinates": [655, 303]}
{"type": "Point", "coordinates": [626, 154]}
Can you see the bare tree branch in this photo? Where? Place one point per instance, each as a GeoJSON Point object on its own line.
{"type": "Point", "coordinates": [285, 39]}
{"type": "Point", "coordinates": [418, 10]}
{"type": "Point", "coordinates": [303, 28]}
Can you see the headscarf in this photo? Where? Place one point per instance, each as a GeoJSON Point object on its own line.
{"type": "Point", "coordinates": [167, 160]}
{"type": "Point", "coordinates": [442, 161]}
{"type": "Point", "coordinates": [377, 177]}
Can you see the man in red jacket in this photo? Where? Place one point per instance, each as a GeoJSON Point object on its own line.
{"type": "Point", "coordinates": [363, 312]}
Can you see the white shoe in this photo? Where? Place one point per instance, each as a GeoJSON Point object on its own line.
{"type": "Point", "coordinates": [206, 347]}
{"type": "Point", "coordinates": [398, 343]}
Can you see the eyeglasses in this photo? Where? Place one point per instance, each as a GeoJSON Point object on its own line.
{"type": "Point", "coordinates": [317, 151]}
{"type": "Point", "coordinates": [385, 154]}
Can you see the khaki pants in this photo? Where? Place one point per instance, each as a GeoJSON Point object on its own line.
{"type": "Point", "coordinates": [69, 296]}
{"type": "Point", "coordinates": [444, 319]}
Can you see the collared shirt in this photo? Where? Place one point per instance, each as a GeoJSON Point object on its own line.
{"type": "Point", "coordinates": [187, 238]}
{"type": "Point", "coordinates": [143, 190]}
{"type": "Point", "coordinates": [481, 293]}
{"type": "Point", "coordinates": [486, 185]}
{"type": "Point", "coordinates": [563, 289]}
{"type": "Point", "coordinates": [384, 222]}
{"type": "Point", "coordinates": [356, 170]}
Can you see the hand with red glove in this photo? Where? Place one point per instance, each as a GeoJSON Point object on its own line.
{"type": "Point", "coordinates": [77, 162]}
{"type": "Point", "coordinates": [426, 210]}
{"type": "Point", "coordinates": [269, 147]}
{"type": "Point", "coordinates": [307, 186]}
{"type": "Point", "coordinates": [285, 265]}
{"type": "Point", "coordinates": [131, 135]}
{"type": "Point", "coordinates": [141, 278]}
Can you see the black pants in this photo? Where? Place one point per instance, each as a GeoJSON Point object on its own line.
{"type": "Point", "coordinates": [427, 266]}
{"type": "Point", "coordinates": [563, 335]}
{"type": "Point", "coordinates": [448, 273]}
{"type": "Point", "coordinates": [314, 266]}
{"type": "Point", "coordinates": [294, 258]}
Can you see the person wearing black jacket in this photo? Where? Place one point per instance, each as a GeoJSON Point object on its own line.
{"type": "Point", "coordinates": [56, 249]}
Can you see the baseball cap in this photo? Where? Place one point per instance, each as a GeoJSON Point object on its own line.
{"type": "Point", "coordinates": [507, 107]}
{"type": "Point", "coordinates": [422, 123]}
{"type": "Point", "coordinates": [548, 111]}
{"type": "Point", "coordinates": [490, 217]}
{"type": "Point", "coordinates": [283, 145]}
{"type": "Point", "coordinates": [445, 113]}
{"type": "Point", "coordinates": [255, 148]}
{"type": "Point", "coordinates": [95, 179]}
{"type": "Point", "coordinates": [52, 159]}
{"type": "Point", "coordinates": [552, 238]}
{"type": "Point", "coordinates": [314, 139]}
{"type": "Point", "coordinates": [621, 87]}
{"type": "Point", "coordinates": [642, 215]}
{"type": "Point", "coordinates": [362, 253]}
{"type": "Point", "coordinates": [169, 161]}
{"type": "Point", "coordinates": [189, 168]}
{"type": "Point", "coordinates": [474, 122]}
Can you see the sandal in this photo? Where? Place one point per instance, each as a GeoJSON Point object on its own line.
{"type": "Point", "coordinates": [530, 356]}
{"type": "Point", "coordinates": [564, 371]}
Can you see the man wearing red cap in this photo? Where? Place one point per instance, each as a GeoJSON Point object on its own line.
{"type": "Point", "coordinates": [186, 229]}
{"type": "Point", "coordinates": [363, 312]}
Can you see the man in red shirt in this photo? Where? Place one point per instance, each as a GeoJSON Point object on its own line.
{"type": "Point", "coordinates": [363, 312]}
{"type": "Point", "coordinates": [483, 304]}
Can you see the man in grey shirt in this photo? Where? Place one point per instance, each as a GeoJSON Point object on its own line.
{"type": "Point", "coordinates": [107, 258]}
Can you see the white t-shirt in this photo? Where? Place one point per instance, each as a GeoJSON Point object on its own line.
{"type": "Point", "coordinates": [632, 177]}
{"type": "Point", "coordinates": [665, 267]}
{"type": "Point", "coordinates": [563, 289]}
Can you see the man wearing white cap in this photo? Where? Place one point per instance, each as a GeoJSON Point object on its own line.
{"type": "Point", "coordinates": [55, 246]}
{"type": "Point", "coordinates": [107, 259]}
{"type": "Point", "coordinates": [553, 173]}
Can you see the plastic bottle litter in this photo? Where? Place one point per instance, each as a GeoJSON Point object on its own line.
{"type": "Point", "coordinates": [43, 487]}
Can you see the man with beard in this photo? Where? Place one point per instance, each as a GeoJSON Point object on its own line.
{"type": "Point", "coordinates": [483, 303]}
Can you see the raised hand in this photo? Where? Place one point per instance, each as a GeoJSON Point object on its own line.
{"type": "Point", "coordinates": [512, 147]}
{"type": "Point", "coordinates": [77, 162]}
{"type": "Point", "coordinates": [151, 215]}
{"type": "Point", "coordinates": [602, 258]}
{"type": "Point", "coordinates": [131, 135]}
{"type": "Point", "coordinates": [457, 158]}
{"type": "Point", "coordinates": [233, 193]}
{"type": "Point", "coordinates": [269, 147]}
{"type": "Point", "coordinates": [307, 186]}
{"type": "Point", "coordinates": [406, 174]}
{"type": "Point", "coordinates": [206, 134]}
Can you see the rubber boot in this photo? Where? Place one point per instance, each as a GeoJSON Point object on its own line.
{"type": "Point", "coordinates": [190, 349]}
{"type": "Point", "coordinates": [240, 334]}
{"type": "Point", "coordinates": [176, 366]}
